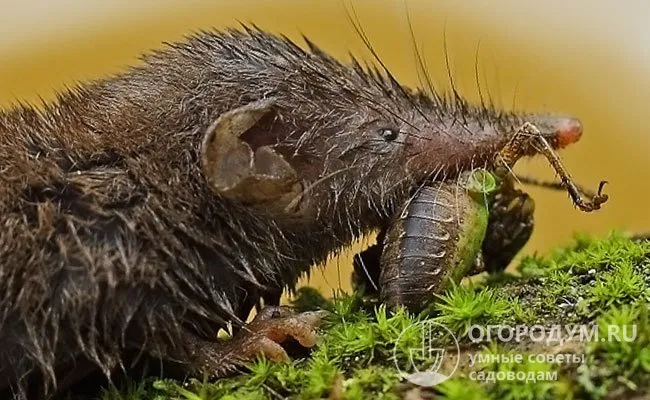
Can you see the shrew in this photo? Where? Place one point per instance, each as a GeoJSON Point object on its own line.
{"type": "Point", "coordinates": [142, 213]}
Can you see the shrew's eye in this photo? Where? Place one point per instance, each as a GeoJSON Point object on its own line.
{"type": "Point", "coordinates": [389, 134]}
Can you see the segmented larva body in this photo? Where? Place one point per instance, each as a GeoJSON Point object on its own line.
{"type": "Point", "coordinates": [435, 240]}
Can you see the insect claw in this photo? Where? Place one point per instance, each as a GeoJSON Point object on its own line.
{"type": "Point", "coordinates": [596, 199]}
{"type": "Point", "coordinates": [600, 198]}
{"type": "Point", "coordinates": [529, 135]}
{"type": "Point", "coordinates": [600, 188]}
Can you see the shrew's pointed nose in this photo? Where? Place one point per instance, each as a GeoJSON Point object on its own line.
{"type": "Point", "coordinates": [569, 130]}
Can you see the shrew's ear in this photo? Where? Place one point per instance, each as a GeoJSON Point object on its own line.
{"type": "Point", "coordinates": [237, 171]}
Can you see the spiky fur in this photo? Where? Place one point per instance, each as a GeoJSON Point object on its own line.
{"type": "Point", "coordinates": [111, 235]}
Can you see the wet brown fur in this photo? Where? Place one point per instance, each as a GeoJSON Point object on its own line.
{"type": "Point", "coordinates": [112, 238]}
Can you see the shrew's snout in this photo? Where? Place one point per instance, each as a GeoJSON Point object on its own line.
{"type": "Point", "coordinates": [560, 131]}
{"type": "Point", "coordinates": [568, 131]}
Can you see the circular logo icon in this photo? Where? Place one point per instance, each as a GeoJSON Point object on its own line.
{"type": "Point", "coordinates": [420, 357]}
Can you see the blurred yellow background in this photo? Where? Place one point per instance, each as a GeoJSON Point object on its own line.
{"type": "Point", "coordinates": [587, 58]}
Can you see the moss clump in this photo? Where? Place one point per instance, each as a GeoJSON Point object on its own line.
{"type": "Point", "coordinates": [604, 282]}
{"type": "Point", "coordinates": [463, 306]}
{"type": "Point", "coordinates": [618, 366]}
{"type": "Point", "coordinates": [534, 385]}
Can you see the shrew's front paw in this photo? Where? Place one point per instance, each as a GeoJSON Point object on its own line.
{"type": "Point", "coordinates": [261, 337]}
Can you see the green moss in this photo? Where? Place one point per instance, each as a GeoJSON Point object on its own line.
{"type": "Point", "coordinates": [463, 306]}
{"type": "Point", "coordinates": [373, 382]}
{"type": "Point", "coordinates": [593, 253]}
{"type": "Point", "coordinates": [621, 285]}
{"type": "Point", "coordinates": [594, 281]}
{"type": "Point", "coordinates": [616, 363]}
{"type": "Point", "coordinates": [463, 389]}
{"type": "Point", "coordinates": [517, 389]}
{"type": "Point", "coordinates": [131, 391]}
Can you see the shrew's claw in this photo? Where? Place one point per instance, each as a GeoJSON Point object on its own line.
{"type": "Point", "coordinates": [263, 336]}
